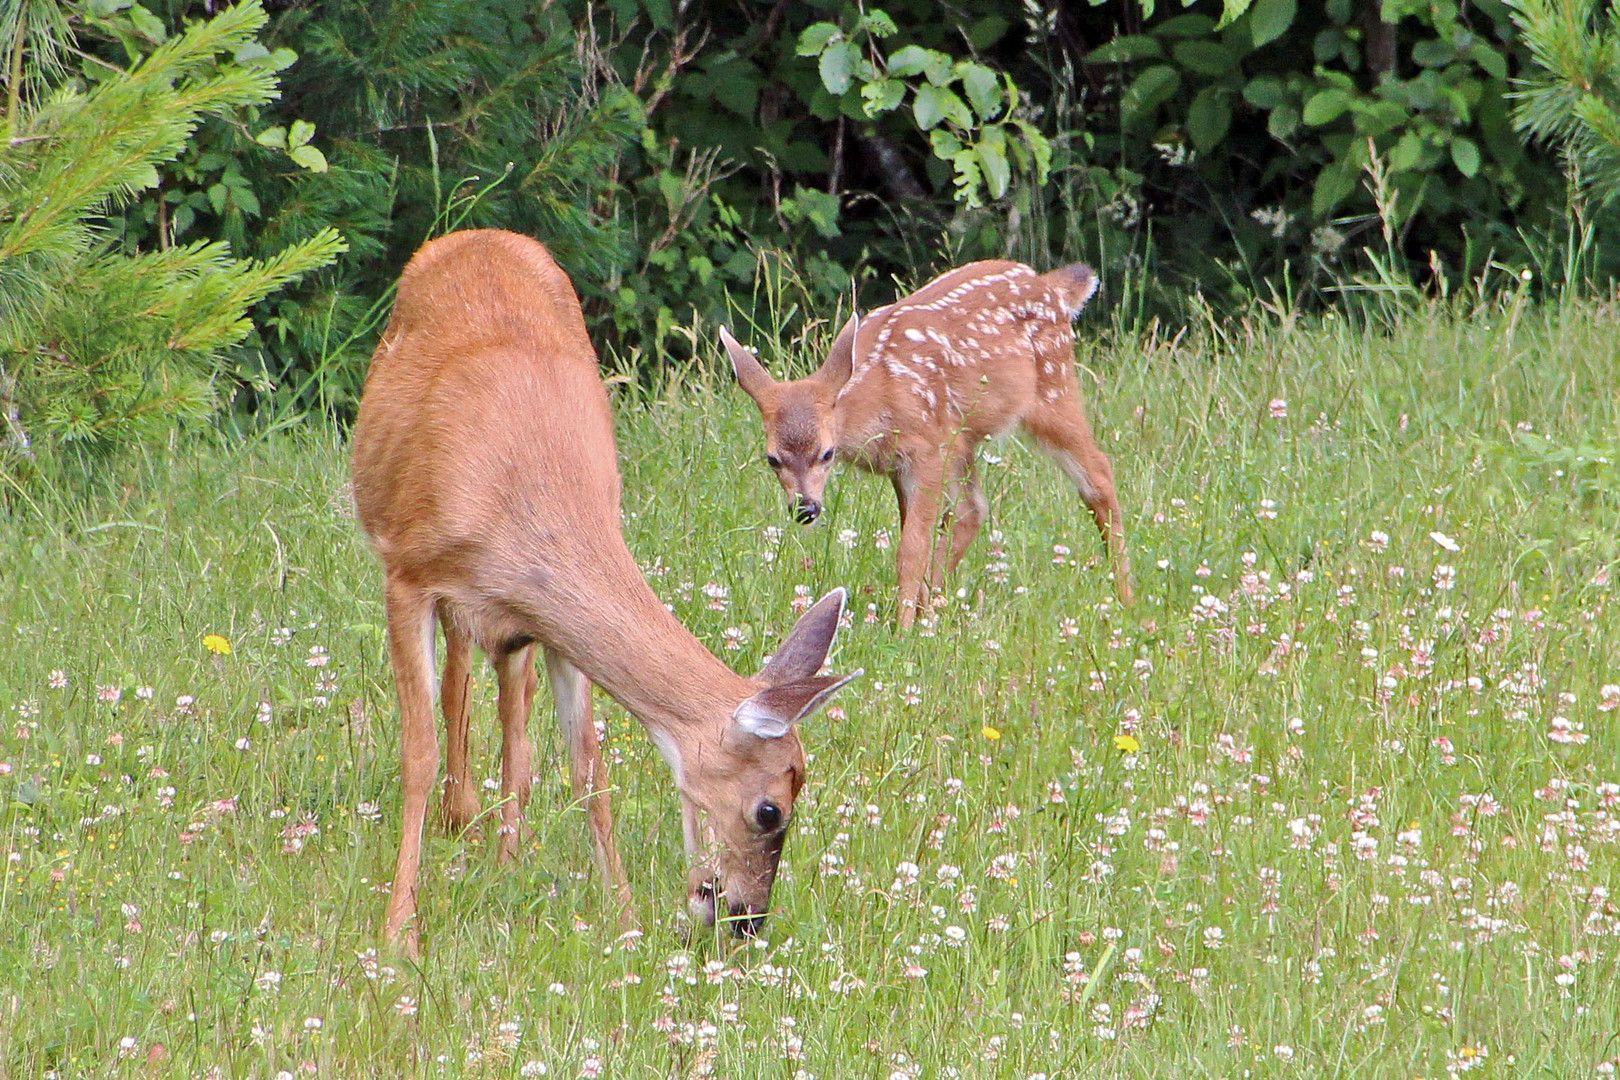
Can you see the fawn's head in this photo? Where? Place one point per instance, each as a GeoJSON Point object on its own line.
{"type": "Point", "coordinates": [738, 790]}
{"type": "Point", "coordinates": [801, 433]}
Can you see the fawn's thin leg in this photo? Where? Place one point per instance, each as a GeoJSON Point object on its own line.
{"type": "Point", "coordinates": [459, 807]}
{"type": "Point", "coordinates": [1061, 429]}
{"type": "Point", "coordinates": [572, 692]}
{"type": "Point", "coordinates": [921, 480]}
{"type": "Point", "coordinates": [410, 645]}
{"type": "Point", "coordinates": [516, 676]}
{"type": "Point", "coordinates": [967, 515]}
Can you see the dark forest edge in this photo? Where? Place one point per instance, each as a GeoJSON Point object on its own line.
{"type": "Point", "coordinates": [203, 207]}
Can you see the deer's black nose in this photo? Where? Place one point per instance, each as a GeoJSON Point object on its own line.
{"type": "Point", "coordinates": [806, 511]}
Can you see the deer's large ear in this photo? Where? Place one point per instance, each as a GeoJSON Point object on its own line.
{"type": "Point", "coordinates": [771, 713]}
{"type": "Point", "coordinates": [793, 689]}
{"type": "Point", "coordinates": [835, 371]}
{"type": "Point", "coordinates": [751, 376]}
{"type": "Point", "coordinates": [804, 650]}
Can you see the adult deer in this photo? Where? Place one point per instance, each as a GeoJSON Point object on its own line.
{"type": "Point", "coordinates": [913, 389]}
{"type": "Point", "coordinates": [486, 478]}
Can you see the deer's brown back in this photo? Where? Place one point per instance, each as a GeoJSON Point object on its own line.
{"type": "Point", "coordinates": [484, 433]}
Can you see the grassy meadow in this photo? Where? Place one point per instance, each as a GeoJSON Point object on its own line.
{"type": "Point", "coordinates": [1340, 796]}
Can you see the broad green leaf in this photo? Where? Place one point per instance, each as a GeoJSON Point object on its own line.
{"type": "Point", "coordinates": [146, 176]}
{"type": "Point", "coordinates": [103, 8]}
{"type": "Point", "coordinates": [983, 88]}
{"type": "Point", "coordinates": [878, 24]}
{"type": "Point", "coordinates": [1326, 106]}
{"type": "Point", "coordinates": [816, 37]}
{"type": "Point", "coordinates": [1231, 11]}
{"type": "Point", "coordinates": [946, 145]}
{"type": "Point", "coordinates": [1205, 57]}
{"type": "Point", "coordinates": [1406, 153]}
{"type": "Point", "coordinates": [659, 13]}
{"type": "Point", "coordinates": [148, 25]}
{"type": "Point", "coordinates": [992, 148]}
{"type": "Point", "coordinates": [302, 131]}
{"type": "Point", "coordinates": [988, 30]}
{"type": "Point", "coordinates": [1191, 25]}
{"type": "Point", "coordinates": [820, 208]}
{"type": "Point", "coordinates": [1125, 48]}
{"type": "Point", "coordinates": [1151, 89]}
{"type": "Point", "coordinates": [1269, 20]}
{"type": "Point", "coordinates": [1209, 118]}
{"type": "Point", "coordinates": [838, 66]}
{"type": "Point", "coordinates": [1465, 155]}
{"type": "Point", "coordinates": [1283, 121]}
{"type": "Point", "coordinates": [250, 52]}
{"type": "Point", "coordinates": [1433, 54]}
{"type": "Point", "coordinates": [1333, 183]}
{"type": "Point", "coordinates": [884, 95]}
{"type": "Point", "coordinates": [916, 60]}
{"type": "Point", "coordinates": [1265, 92]}
{"type": "Point", "coordinates": [933, 104]}
{"type": "Point", "coordinates": [273, 136]}
{"type": "Point", "coordinates": [308, 157]}
{"type": "Point", "coordinates": [909, 60]}
{"type": "Point", "coordinates": [246, 201]}
{"type": "Point", "coordinates": [1377, 117]}
{"type": "Point", "coordinates": [1494, 63]}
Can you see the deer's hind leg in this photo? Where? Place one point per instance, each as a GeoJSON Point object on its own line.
{"type": "Point", "coordinates": [515, 672]}
{"type": "Point", "coordinates": [1058, 425]}
{"type": "Point", "coordinates": [410, 647]}
{"type": "Point", "coordinates": [459, 807]}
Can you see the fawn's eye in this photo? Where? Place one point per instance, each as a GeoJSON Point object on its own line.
{"type": "Point", "coordinates": [768, 816]}
{"type": "Point", "coordinates": [827, 455]}
{"type": "Point", "coordinates": [773, 461]}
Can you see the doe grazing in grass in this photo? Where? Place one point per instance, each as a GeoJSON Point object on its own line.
{"type": "Point", "coordinates": [911, 391]}
{"type": "Point", "coordinates": [485, 475]}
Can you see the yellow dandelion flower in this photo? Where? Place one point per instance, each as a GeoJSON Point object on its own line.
{"type": "Point", "coordinates": [990, 733]}
{"type": "Point", "coordinates": [1127, 743]}
{"type": "Point", "coordinates": [216, 645]}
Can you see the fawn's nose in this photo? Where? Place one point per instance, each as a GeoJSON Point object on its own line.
{"type": "Point", "coordinates": [806, 511]}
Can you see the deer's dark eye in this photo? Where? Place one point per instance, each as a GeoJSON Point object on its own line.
{"type": "Point", "coordinates": [773, 461]}
{"type": "Point", "coordinates": [828, 454]}
{"type": "Point", "coordinates": [768, 816]}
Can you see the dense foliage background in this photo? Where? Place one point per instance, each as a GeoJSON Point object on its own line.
{"type": "Point", "coordinates": [767, 162]}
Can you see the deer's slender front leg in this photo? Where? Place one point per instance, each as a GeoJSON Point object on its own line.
{"type": "Point", "coordinates": [515, 673]}
{"type": "Point", "coordinates": [459, 807]}
{"type": "Point", "coordinates": [921, 482]}
{"type": "Point", "coordinates": [410, 645]}
{"type": "Point", "coordinates": [572, 692]}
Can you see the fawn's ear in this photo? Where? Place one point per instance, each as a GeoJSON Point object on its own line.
{"type": "Point", "coordinates": [751, 376]}
{"type": "Point", "coordinates": [835, 371]}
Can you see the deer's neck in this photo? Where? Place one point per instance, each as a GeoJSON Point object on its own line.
{"type": "Point", "coordinates": [610, 624]}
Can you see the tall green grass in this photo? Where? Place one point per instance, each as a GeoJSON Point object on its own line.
{"type": "Point", "coordinates": [1316, 806]}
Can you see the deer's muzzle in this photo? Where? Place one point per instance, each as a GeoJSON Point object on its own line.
{"type": "Point", "coordinates": [805, 511]}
